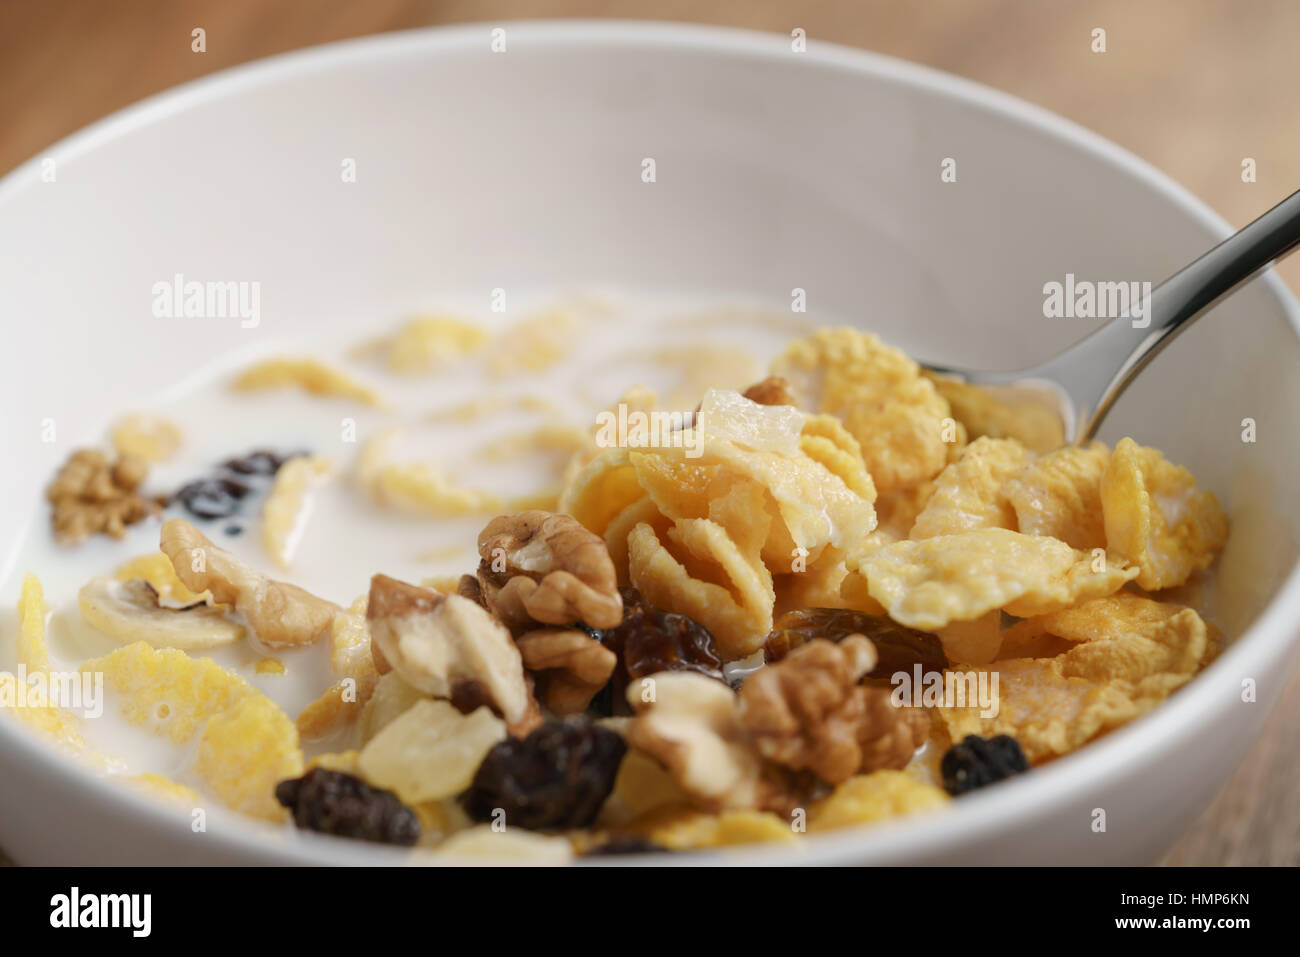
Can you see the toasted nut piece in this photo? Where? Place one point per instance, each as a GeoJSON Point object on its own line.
{"type": "Point", "coordinates": [691, 725]}
{"type": "Point", "coordinates": [538, 567]}
{"type": "Point", "coordinates": [774, 390]}
{"type": "Point", "coordinates": [808, 713]}
{"type": "Point", "coordinates": [129, 611]}
{"type": "Point", "coordinates": [573, 665]}
{"type": "Point", "coordinates": [281, 615]}
{"type": "Point", "coordinates": [438, 641]}
{"type": "Point", "coordinates": [92, 494]}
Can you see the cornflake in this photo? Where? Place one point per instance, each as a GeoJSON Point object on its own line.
{"type": "Point", "coordinates": [1157, 518]}
{"type": "Point", "coordinates": [869, 798]}
{"type": "Point", "coordinates": [286, 508]}
{"type": "Point", "coordinates": [928, 584]}
{"type": "Point", "coordinates": [968, 493]}
{"type": "Point", "coordinates": [415, 486]}
{"type": "Point", "coordinates": [687, 829]}
{"type": "Point", "coordinates": [1006, 413]}
{"type": "Point", "coordinates": [150, 437]}
{"type": "Point", "coordinates": [245, 751]}
{"type": "Point", "coordinates": [310, 375]}
{"type": "Point", "coordinates": [1060, 496]}
{"type": "Point", "coordinates": [894, 413]}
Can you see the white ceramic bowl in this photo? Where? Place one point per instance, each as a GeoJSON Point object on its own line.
{"type": "Point", "coordinates": [775, 170]}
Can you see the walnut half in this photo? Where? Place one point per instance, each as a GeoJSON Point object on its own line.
{"type": "Point", "coordinates": [542, 568]}
{"type": "Point", "coordinates": [808, 713]}
{"type": "Point", "coordinates": [569, 665]}
{"type": "Point", "coordinates": [280, 614]}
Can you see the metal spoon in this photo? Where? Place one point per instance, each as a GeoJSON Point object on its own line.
{"type": "Point", "coordinates": [1086, 379]}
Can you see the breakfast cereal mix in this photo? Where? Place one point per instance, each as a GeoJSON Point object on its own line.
{"type": "Point", "coordinates": [684, 640]}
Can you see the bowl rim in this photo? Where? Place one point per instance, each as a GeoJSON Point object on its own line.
{"type": "Point", "coordinates": [1268, 640]}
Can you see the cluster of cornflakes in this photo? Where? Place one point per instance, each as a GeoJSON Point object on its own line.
{"type": "Point", "coordinates": [589, 687]}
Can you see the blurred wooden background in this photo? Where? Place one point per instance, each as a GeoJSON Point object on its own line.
{"type": "Point", "coordinates": [1193, 86]}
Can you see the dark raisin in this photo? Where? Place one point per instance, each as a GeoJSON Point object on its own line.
{"type": "Point", "coordinates": [234, 530]}
{"type": "Point", "coordinates": [213, 497]}
{"type": "Point", "coordinates": [557, 777]}
{"type": "Point", "coordinates": [650, 640]}
{"type": "Point", "coordinates": [977, 762]}
{"type": "Point", "coordinates": [257, 462]}
{"type": "Point", "coordinates": [333, 802]}
{"type": "Point", "coordinates": [626, 844]}
{"type": "Point", "coordinates": [898, 648]}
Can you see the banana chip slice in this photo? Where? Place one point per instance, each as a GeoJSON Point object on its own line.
{"type": "Point", "coordinates": [130, 611]}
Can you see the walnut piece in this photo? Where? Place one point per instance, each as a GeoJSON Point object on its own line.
{"type": "Point", "coordinates": [541, 568]}
{"type": "Point", "coordinates": [691, 725]}
{"type": "Point", "coordinates": [774, 390]}
{"type": "Point", "coordinates": [92, 494]}
{"type": "Point", "coordinates": [569, 665]}
{"type": "Point", "coordinates": [438, 643]}
{"type": "Point", "coordinates": [280, 614]}
{"type": "Point", "coordinates": [808, 713]}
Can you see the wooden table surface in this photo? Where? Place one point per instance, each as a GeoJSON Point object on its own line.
{"type": "Point", "coordinates": [1193, 86]}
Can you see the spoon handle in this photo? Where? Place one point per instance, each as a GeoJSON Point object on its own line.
{"type": "Point", "coordinates": [1173, 305]}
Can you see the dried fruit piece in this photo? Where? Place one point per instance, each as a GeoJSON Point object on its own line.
{"type": "Point", "coordinates": [282, 615]}
{"type": "Point", "coordinates": [1060, 496]}
{"type": "Point", "coordinates": [968, 493]}
{"type": "Point", "coordinates": [310, 375]}
{"type": "Point", "coordinates": [430, 751]}
{"type": "Point", "coordinates": [649, 640]}
{"type": "Point", "coordinates": [773, 390]}
{"type": "Point", "coordinates": [130, 611]}
{"type": "Point", "coordinates": [285, 509]}
{"type": "Point", "coordinates": [557, 777]}
{"type": "Point", "coordinates": [438, 641]}
{"type": "Point", "coordinates": [331, 802]}
{"type": "Point", "coordinates": [244, 751]}
{"type": "Point", "coordinates": [898, 648]}
{"type": "Point", "coordinates": [538, 567]}
{"type": "Point", "coordinates": [927, 584]}
{"type": "Point", "coordinates": [869, 798]}
{"type": "Point", "coordinates": [1157, 518]}
{"type": "Point", "coordinates": [211, 498]}
{"type": "Point", "coordinates": [977, 762]}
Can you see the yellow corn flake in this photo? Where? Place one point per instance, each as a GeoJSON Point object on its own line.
{"type": "Point", "coordinates": [685, 829]}
{"type": "Point", "coordinates": [32, 650]}
{"type": "Point", "coordinates": [824, 439]}
{"type": "Point", "coordinates": [875, 797]}
{"type": "Point", "coordinates": [642, 785]}
{"type": "Point", "coordinates": [535, 344]}
{"type": "Point", "coordinates": [1060, 496]}
{"type": "Point", "coordinates": [929, 583]}
{"type": "Point", "coordinates": [489, 405]}
{"type": "Point", "coordinates": [426, 342]}
{"type": "Point", "coordinates": [1004, 413]}
{"type": "Point", "coordinates": [514, 845]}
{"type": "Point", "coordinates": [819, 585]}
{"type": "Point", "coordinates": [701, 367]}
{"type": "Point", "coordinates": [166, 690]}
{"type": "Point", "coordinates": [1029, 639]}
{"type": "Point", "coordinates": [151, 437]}
{"type": "Point", "coordinates": [162, 787]}
{"type": "Point", "coordinates": [975, 642]}
{"type": "Point", "coordinates": [1157, 518]}
{"type": "Point", "coordinates": [726, 590]}
{"type": "Point", "coordinates": [562, 439]}
{"type": "Point", "coordinates": [894, 413]}
{"type": "Point", "coordinates": [285, 510]}
{"type": "Point", "coordinates": [310, 375]}
{"type": "Point", "coordinates": [159, 572]}
{"type": "Point", "coordinates": [1054, 705]}
{"type": "Point", "coordinates": [269, 666]}
{"type": "Point", "coordinates": [897, 511]}
{"type": "Point", "coordinates": [352, 661]}
{"type": "Point", "coordinates": [968, 493]}
{"type": "Point", "coordinates": [245, 751]}
{"type": "Point", "coordinates": [416, 486]}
